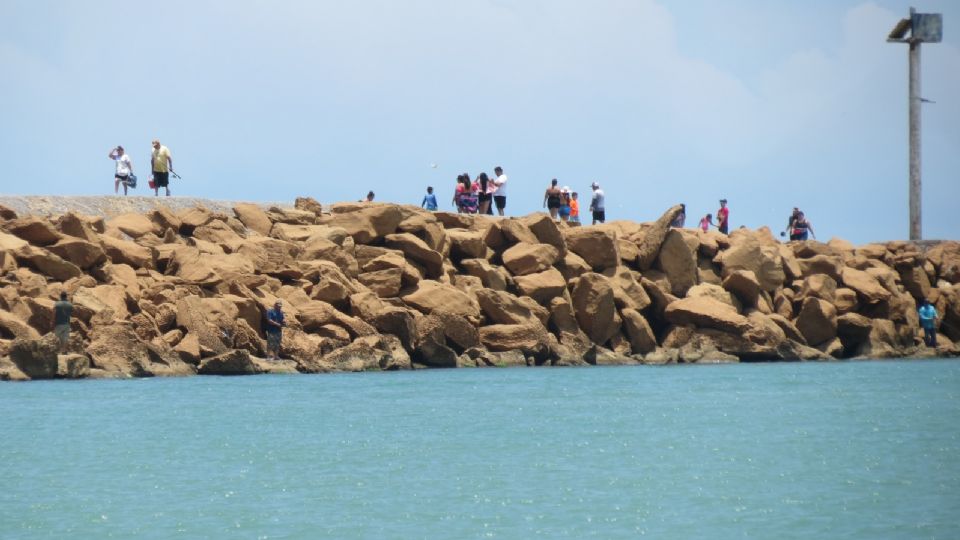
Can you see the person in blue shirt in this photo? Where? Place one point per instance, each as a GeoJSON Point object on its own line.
{"type": "Point", "coordinates": [429, 200]}
{"type": "Point", "coordinates": [928, 321]}
{"type": "Point", "coordinates": [274, 330]}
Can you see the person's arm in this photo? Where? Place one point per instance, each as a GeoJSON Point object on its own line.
{"type": "Point", "coordinates": [113, 154]}
{"type": "Point", "coordinates": [169, 163]}
{"type": "Point", "coordinates": [546, 194]}
{"type": "Point", "coordinates": [424, 202]}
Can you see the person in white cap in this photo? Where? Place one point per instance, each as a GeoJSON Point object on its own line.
{"type": "Point", "coordinates": [596, 204]}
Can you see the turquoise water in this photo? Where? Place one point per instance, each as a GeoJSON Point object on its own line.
{"type": "Point", "coordinates": [840, 450]}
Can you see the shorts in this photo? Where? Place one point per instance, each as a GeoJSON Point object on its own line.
{"type": "Point", "coordinates": [62, 331]}
{"type": "Point", "coordinates": [802, 236]}
{"type": "Point", "coordinates": [273, 340]}
{"type": "Point", "coordinates": [483, 197]}
{"type": "Point", "coordinates": [553, 202]}
{"type": "Point", "coordinates": [575, 219]}
{"type": "Point", "coordinates": [500, 201]}
{"type": "Point", "coordinates": [599, 215]}
{"type": "Point", "coordinates": [161, 179]}
{"type": "Point", "coordinates": [121, 177]}
{"type": "Point", "coordinates": [564, 211]}
{"type": "Point", "coordinates": [723, 228]}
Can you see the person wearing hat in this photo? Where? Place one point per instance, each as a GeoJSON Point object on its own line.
{"type": "Point", "coordinates": [124, 169]}
{"type": "Point", "coordinates": [161, 163]}
{"type": "Point", "coordinates": [723, 217]}
{"type": "Point", "coordinates": [597, 205]}
{"type": "Point", "coordinates": [274, 330]}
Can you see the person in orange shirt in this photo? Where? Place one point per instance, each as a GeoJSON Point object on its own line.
{"type": "Point", "coordinates": [574, 208]}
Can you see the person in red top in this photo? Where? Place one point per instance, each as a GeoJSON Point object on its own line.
{"type": "Point", "coordinates": [723, 217]}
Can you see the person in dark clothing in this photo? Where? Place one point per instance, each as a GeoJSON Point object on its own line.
{"type": "Point", "coordinates": [274, 330]}
{"type": "Point", "coordinates": [62, 310]}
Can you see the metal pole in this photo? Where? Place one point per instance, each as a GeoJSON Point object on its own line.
{"type": "Point", "coordinates": [914, 129]}
{"type": "Point", "coordinates": [915, 219]}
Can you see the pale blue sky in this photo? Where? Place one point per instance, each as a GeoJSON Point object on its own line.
{"type": "Point", "coordinates": [769, 104]}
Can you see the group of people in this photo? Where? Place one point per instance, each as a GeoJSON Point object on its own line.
{"type": "Point", "coordinates": [722, 224]}
{"type": "Point", "coordinates": [477, 196]}
{"type": "Point", "coordinates": [161, 168]}
{"type": "Point", "coordinates": [562, 203]}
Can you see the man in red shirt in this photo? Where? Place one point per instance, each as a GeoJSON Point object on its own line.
{"type": "Point", "coordinates": [723, 217]}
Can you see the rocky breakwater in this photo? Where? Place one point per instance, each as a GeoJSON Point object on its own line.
{"type": "Point", "coordinates": [382, 287]}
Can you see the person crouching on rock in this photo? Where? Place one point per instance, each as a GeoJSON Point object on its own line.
{"type": "Point", "coordinates": [274, 330]}
{"type": "Point", "coordinates": [124, 169]}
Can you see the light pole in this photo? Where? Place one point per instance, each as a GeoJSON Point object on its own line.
{"type": "Point", "coordinates": [923, 28]}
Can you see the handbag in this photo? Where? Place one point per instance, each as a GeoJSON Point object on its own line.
{"type": "Point", "coordinates": [132, 180]}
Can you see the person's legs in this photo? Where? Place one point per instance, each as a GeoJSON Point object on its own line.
{"type": "Point", "coordinates": [553, 213]}
{"type": "Point", "coordinates": [501, 201]}
{"type": "Point", "coordinates": [62, 331]}
{"type": "Point", "coordinates": [116, 185]}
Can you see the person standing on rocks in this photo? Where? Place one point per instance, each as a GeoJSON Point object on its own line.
{"type": "Point", "coordinates": [551, 199]}
{"type": "Point", "coordinates": [680, 219]}
{"type": "Point", "coordinates": [800, 228]}
{"type": "Point", "coordinates": [574, 208]}
{"type": "Point", "coordinates": [723, 217]}
{"type": "Point", "coordinates": [597, 204]}
{"type": "Point", "coordinates": [161, 163]}
{"type": "Point", "coordinates": [429, 200]}
{"type": "Point", "coordinates": [485, 194]}
{"type": "Point", "coordinates": [124, 169]}
{"type": "Point", "coordinates": [564, 212]}
{"type": "Point", "coordinates": [62, 310]}
{"type": "Point", "coordinates": [706, 222]}
{"type": "Point", "coordinates": [500, 193]}
{"type": "Point", "coordinates": [793, 217]}
{"type": "Point", "coordinates": [274, 330]}
{"type": "Point", "coordinates": [928, 321]}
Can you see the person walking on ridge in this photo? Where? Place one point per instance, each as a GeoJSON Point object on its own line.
{"type": "Point", "coordinates": [793, 217]}
{"type": "Point", "coordinates": [597, 204]}
{"type": "Point", "coordinates": [485, 193]}
{"type": "Point", "coordinates": [274, 330]}
{"type": "Point", "coordinates": [500, 193]}
{"type": "Point", "coordinates": [928, 321]}
{"type": "Point", "coordinates": [429, 200]}
{"type": "Point", "coordinates": [161, 164]}
{"type": "Point", "coordinates": [706, 222]}
{"type": "Point", "coordinates": [551, 199]}
{"type": "Point", "coordinates": [723, 217]}
{"type": "Point", "coordinates": [574, 208]}
{"type": "Point", "coordinates": [62, 310]}
{"type": "Point", "coordinates": [800, 228]}
{"type": "Point", "coordinates": [124, 169]}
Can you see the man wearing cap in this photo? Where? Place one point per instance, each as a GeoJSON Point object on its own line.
{"type": "Point", "coordinates": [161, 163]}
{"type": "Point", "coordinates": [596, 204]}
{"type": "Point", "coordinates": [723, 217]}
{"type": "Point", "coordinates": [274, 330]}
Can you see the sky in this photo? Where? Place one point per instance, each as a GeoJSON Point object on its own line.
{"type": "Point", "coordinates": [769, 104]}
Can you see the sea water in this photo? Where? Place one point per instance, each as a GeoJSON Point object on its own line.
{"type": "Point", "coordinates": [809, 450]}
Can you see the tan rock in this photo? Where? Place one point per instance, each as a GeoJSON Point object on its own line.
{"type": "Point", "coordinates": [542, 286]}
{"type": "Point", "coordinates": [846, 300]}
{"type": "Point", "coordinates": [47, 263]}
{"type": "Point", "coordinates": [678, 261]}
{"type": "Point", "coordinates": [234, 362]}
{"type": "Point", "coordinates": [531, 340]}
{"type": "Point", "coordinates": [822, 264]}
{"type": "Point", "coordinates": [308, 204]}
{"type": "Point", "coordinates": [501, 307]}
{"type": "Point", "coordinates": [212, 320]}
{"type": "Point", "coordinates": [515, 231]}
{"type": "Point", "coordinates": [12, 326]}
{"type": "Point", "coordinates": [706, 312]}
{"type": "Point", "coordinates": [573, 265]}
{"type": "Point", "coordinates": [36, 358]}
{"type": "Point", "coordinates": [80, 252]}
{"type": "Point", "coordinates": [73, 366]}
{"type": "Point", "coordinates": [817, 321]}
{"type": "Point", "coordinates": [642, 338]}
{"type": "Point", "coordinates": [70, 224]}
{"type": "Point", "coordinates": [466, 244]}
{"type": "Point", "coordinates": [386, 283]}
{"type": "Point", "coordinates": [819, 286]}
{"type": "Point", "coordinates": [546, 230]}
{"type": "Point", "coordinates": [35, 230]}
{"type": "Point", "coordinates": [116, 351]}
{"type": "Point", "coordinates": [868, 288]}
{"type": "Point", "coordinates": [417, 250]}
{"type": "Point", "coordinates": [789, 329]}
{"type": "Point", "coordinates": [649, 246]}
{"type": "Point", "coordinates": [744, 285]}
{"type": "Point", "coordinates": [594, 307]}
{"type": "Point", "coordinates": [627, 290]}
{"type": "Point", "coordinates": [134, 225]}
{"type": "Point", "coordinates": [253, 217]}
{"type": "Point", "coordinates": [398, 322]}
{"type": "Point", "coordinates": [430, 296]}
{"type": "Point", "coordinates": [330, 283]}
{"type": "Point", "coordinates": [945, 257]}
{"type": "Point", "coordinates": [126, 252]}
{"type": "Point", "coordinates": [716, 292]}
{"type": "Point", "coordinates": [596, 245]}
{"type": "Point", "coordinates": [291, 216]}
{"type": "Point", "coordinates": [748, 253]}
{"type": "Point", "coordinates": [915, 280]}
{"type": "Point", "coordinates": [410, 274]}
{"type": "Point", "coordinates": [524, 259]}
{"type": "Point", "coordinates": [367, 223]}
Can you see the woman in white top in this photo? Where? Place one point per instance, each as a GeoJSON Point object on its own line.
{"type": "Point", "coordinates": [124, 169]}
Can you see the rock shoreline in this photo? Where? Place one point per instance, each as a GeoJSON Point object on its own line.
{"type": "Point", "coordinates": [174, 287]}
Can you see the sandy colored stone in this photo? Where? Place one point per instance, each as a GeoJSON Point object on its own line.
{"type": "Point", "coordinates": [596, 245]}
{"type": "Point", "coordinates": [542, 286]}
{"type": "Point", "coordinates": [817, 321]}
{"type": "Point", "coordinates": [523, 259]}
{"type": "Point", "coordinates": [706, 312]}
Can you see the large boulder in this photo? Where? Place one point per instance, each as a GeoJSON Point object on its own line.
{"type": "Point", "coordinates": [627, 291]}
{"type": "Point", "coordinates": [82, 253]}
{"type": "Point", "coordinates": [491, 276]}
{"type": "Point", "coordinates": [234, 362]}
{"type": "Point", "coordinates": [945, 257]}
{"type": "Point", "coordinates": [430, 296]}
{"type": "Point", "coordinates": [542, 286]}
{"type": "Point", "coordinates": [47, 263]}
{"type": "Point", "coordinates": [417, 250]}
{"type": "Point", "coordinates": [819, 286]}
{"type": "Point", "coordinates": [37, 231]}
{"type": "Point", "coordinates": [822, 264]}
{"type": "Point", "coordinates": [531, 340]}
{"type": "Point", "coordinates": [116, 351]}
{"type": "Point", "coordinates": [678, 260]}
{"type": "Point", "coordinates": [642, 338]}
{"type": "Point", "coordinates": [12, 327]}
{"type": "Point", "coordinates": [134, 225]}
{"type": "Point", "coordinates": [596, 245]}
{"type": "Point", "coordinates": [594, 307]}
{"type": "Point", "coordinates": [126, 252]}
{"type": "Point", "coordinates": [868, 288]}
{"type": "Point", "coordinates": [71, 224]}
{"type": "Point", "coordinates": [649, 245]}
{"type": "Point", "coordinates": [546, 231]}
{"type": "Point", "coordinates": [100, 298]}
{"type": "Point", "coordinates": [743, 284]}
{"type": "Point", "coordinates": [368, 222]}
{"type": "Point", "coordinates": [706, 312]}
{"type": "Point", "coordinates": [398, 322]}
{"type": "Point", "coordinates": [212, 320]}
{"type": "Point", "coordinates": [817, 321]}
{"type": "Point", "coordinates": [523, 259]}
{"type": "Point", "coordinates": [36, 358]}
{"type": "Point", "coordinates": [501, 307]}
{"type": "Point", "coordinates": [386, 283]}
{"type": "Point", "coordinates": [253, 217]}
{"type": "Point", "coordinates": [748, 253]}
{"type": "Point", "coordinates": [466, 244]}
